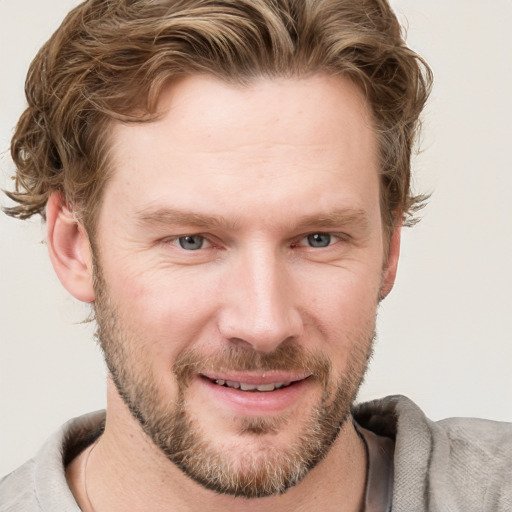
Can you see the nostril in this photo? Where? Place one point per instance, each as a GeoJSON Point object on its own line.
{"type": "Point", "coordinates": [240, 343]}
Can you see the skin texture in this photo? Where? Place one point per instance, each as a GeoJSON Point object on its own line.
{"type": "Point", "coordinates": [253, 174]}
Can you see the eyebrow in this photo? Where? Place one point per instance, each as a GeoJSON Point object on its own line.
{"type": "Point", "coordinates": [335, 219]}
{"type": "Point", "coordinates": [323, 220]}
{"type": "Point", "coordinates": [169, 216]}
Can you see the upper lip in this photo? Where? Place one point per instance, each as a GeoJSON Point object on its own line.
{"type": "Point", "coordinates": [257, 378]}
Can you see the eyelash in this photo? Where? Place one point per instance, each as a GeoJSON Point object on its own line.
{"type": "Point", "coordinates": [336, 236]}
{"type": "Point", "coordinates": [175, 241]}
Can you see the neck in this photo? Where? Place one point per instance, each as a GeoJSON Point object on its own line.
{"type": "Point", "coordinates": [124, 470]}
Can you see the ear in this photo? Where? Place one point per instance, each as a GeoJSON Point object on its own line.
{"type": "Point", "coordinates": [69, 248]}
{"type": "Point", "coordinates": [391, 262]}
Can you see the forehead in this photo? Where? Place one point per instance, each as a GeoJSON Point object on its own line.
{"type": "Point", "coordinates": [266, 142]}
{"type": "Point", "coordinates": [313, 110]}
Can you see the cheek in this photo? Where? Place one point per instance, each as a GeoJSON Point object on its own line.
{"type": "Point", "coordinates": [343, 308]}
{"type": "Point", "coordinates": [165, 308]}
{"type": "Point", "coordinates": [346, 292]}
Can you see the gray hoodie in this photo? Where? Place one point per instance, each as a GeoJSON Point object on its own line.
{"type": "Point", "coordinates": [459, 464]}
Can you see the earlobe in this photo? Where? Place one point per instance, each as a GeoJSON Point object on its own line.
{"type": "Point", "coordinates": [391, 263]}
{"type": "Point", "coordinates": [69, 248]}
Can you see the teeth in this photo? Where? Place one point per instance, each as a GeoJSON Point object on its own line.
{"type": "Point", "coordinates": [251, 387]}
{"type": "Point", "coordinates": [247, 387]}
{"type": "Point", "coordinates": [267, 387]}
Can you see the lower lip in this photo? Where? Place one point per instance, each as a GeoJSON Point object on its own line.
{"type": "Point", "coordinates": [256, 403]}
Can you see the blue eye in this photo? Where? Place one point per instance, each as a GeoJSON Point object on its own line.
{"type": "Point", "coordinates": [319, 240]}
{"type": "Point", "coordinates": [191, 242]}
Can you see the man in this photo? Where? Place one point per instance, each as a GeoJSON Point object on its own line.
{"type": "Point", "coordinates": [226, 183]}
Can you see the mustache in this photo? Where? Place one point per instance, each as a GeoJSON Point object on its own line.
{"type": "Point", "coordinates": [286, 357]}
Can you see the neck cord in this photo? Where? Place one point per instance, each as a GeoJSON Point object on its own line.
{"type": "Point", "coordinates": [86, 462]}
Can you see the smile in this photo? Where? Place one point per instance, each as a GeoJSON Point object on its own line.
{"type": "Point", "coordinates": [243, 386]}
{"type": "Point", "coordinates": [256, 393]}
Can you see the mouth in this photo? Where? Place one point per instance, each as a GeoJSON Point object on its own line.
{"type": "Point", "coordinates": [253, 394]}
{"type": "Point", "coordinates": [245, 386]}
{"type": "Point", "coordinates": [263, 381]}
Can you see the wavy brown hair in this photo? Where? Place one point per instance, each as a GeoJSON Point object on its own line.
{"type": "Point", "coordinates": [109, 61]}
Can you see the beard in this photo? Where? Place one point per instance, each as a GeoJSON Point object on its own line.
{"type": "Point", "coordinates": [261, 469]}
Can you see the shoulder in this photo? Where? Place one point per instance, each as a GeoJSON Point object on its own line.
{"type": "Point", "coordinates": [453, 464]}
{"type": "Point", "coordinates": [477, 455]}
{"type": "Point", "coordinates": [40, 484]}
{"type": "Point", "coordinates": [473, 440]}
{"type": "Point", "coordinates": [17, 490]}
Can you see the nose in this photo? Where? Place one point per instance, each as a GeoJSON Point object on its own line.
{"type": "Point", "coordinates": [259, 307]}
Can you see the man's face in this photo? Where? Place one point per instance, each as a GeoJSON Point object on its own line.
{"type": "Point", "coordinates": [240, 258]}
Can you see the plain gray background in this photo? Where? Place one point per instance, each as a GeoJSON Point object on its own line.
{"type": "Point", "coordinates": [444, 333]}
